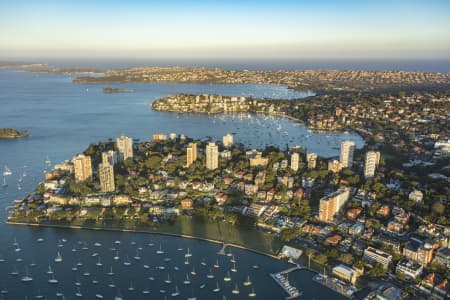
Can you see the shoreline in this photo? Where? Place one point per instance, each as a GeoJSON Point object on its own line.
{"type": "Point", "coordinates": [179, 235]}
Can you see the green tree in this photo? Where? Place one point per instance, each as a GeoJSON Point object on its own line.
{"type": "Point", "coordinates": [377, 271]}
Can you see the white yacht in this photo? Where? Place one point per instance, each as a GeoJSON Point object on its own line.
{"type": "Point", "coordinates": [58, 258]}
{"type": "Point", "coordinates": [235, 291]}
{"type": "Point", "coordinates": [247, 282]}
{"type": "Point", "coordinates": [228, 277]}
{"type": "Point", "coordinates": [168, 281]}
{"type": "Point", "coordinates": [49, 271]}
{"type": "Point", "coordinates": [160, 251]}
{"type": "Point", "coordinates": [217, 289]}
{"type": "Point", "coordinates": [176, 293]}
{"type": "Point", "coordinates": [6, 171]}
{"type": "Point", "coordinates": [188, 254]}
{"type": "Point", "coordinates": [53, 280]}
{"type": "Point", "coordinates": [26, 277]}
{"type": "Point", "coordinates": [187, 281]}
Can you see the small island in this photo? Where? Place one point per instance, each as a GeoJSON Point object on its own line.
{"type": "Point", "coordinates": [110, 90]}
{"type": "Point", "coordinates": [9, 133]}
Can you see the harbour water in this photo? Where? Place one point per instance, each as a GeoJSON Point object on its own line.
{"type": "Point", "coordinates": [62, 119]}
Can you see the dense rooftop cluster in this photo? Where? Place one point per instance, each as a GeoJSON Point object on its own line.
{"type": "Point", "coordinates": [315, 80]}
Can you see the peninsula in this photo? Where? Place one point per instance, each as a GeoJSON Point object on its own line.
{"type": "Point", "coordinates": [319, 81]}
{"type": "Point", "coordinates": [110, 90]}
{"type": "Point", "coordinates": [368, 213]}
{"type": "Point", "coordinates": [9, 133]}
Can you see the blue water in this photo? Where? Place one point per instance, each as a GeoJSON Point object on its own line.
{"type": "Point", "coordinates": [62, 119]}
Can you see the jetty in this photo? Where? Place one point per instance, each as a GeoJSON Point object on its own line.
{"type": "Point", "coordinates": [222, 250]}
{"type": "Point", "coordinates": [282, 279]}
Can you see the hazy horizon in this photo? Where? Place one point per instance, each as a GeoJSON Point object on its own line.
{"type": "Point", "coordinates": [232, 30]}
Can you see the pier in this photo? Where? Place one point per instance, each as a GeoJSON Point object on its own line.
{"type": "Point", "coordinates": [222, 250]}
{"type": "Point", "coordinates": [282, 280]}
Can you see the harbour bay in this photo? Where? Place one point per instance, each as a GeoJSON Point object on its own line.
{"type": "Point", "coordinates": [62, 118]}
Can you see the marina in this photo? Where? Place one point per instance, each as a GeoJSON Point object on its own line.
{"type": "Point", "coordinates": [282, 279]}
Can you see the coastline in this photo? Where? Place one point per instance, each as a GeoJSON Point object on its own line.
{"type": "Point", "coordinates": [112, 229]}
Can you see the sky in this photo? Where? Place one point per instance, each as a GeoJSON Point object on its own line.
{"type": "Point", "coordinates": [227, 29]}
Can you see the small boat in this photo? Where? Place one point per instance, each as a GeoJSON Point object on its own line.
{"type": "Point", "coordinates": [217, 289]}
{"type": "Point", "coordinates": [59, 294]}
{"type": "Point", "coordinates": [78, 293]}
{"type": "Point", "coordinates": [117, 242]}
{"type": "Point", "coordinates": [187, 281]}
{"type": "Point", "coordinates": [176, 268]}
{"type": "Point", "coordinates": [127, 262]}
{"type": "Point", "coordinates": [252, 293]}
{"type": "Point", "coordinates": [86, 273]}
{"type": "Point", "coordinates": [228, 277]}
{"type": "Point", "coordinates": [74, 249]}
{"type": "Point", "coordinates": [168, 281]}
{"type": "Point", "coordinates": [167, 259]}
{"type": "Point", "coordinates": [99, 296]}
{"type": "Point", "coordinates": [233, 269]}
{"type": "Point", "coordinates": [6, 171]}
{"type": "Point", "coordinates": [210, 274]}
{"type": "Point", "coordinates": [255, 267]}
{"type": "Point", "coordinates": [95, 254]}
{"type": "Point", "coordinates": [233, 259]}
{"type": "Point", "coordinates": [235, 291]}
{"type": "Point", "coordinates": [162, 291]}
{"type": "Point", "coordinates": [176, 293]}
{"type": "Point", "coordinates": [53, 280]}
{"type": "Point", "coordinates": [99, 262]}
{"type": "Point", "coordinates": [77, 282]}
{"type": "Point", "coordinates": [97, 244]}
{"type": "Point", "coordinates": [146, 267]}
{"type": "Point", "coordinates": [26, 277]}
{"type": "Point", "coordinates": [58, 258]}
{"type": "Point", "coordinates": [186, 262]}
{"type": "Point", "coordinates": [49, 271]}
{"type": "Point", "coordinates": [112, 284]}
{"type": "Point", "coordinates": [116, 257]}
{"type": "Point", "coordinates": [203, 263]}
{"type": "Point", "coordinates": [247, 282]}
{"type": "Point", "coordinates": [160, 251]}
{"type": "Point", "coordinates": [94, 281]}
{"type": "Point", "coordinates": [160, 267]}
{"type": "Point", "coordinates": [193, 272]}
{"type": "Point", "coordinates": [146, 291]}
{"type": "Point", "coordinates": [14, 271]}
{"type": "Point", "coordinates": [40, 240]}
{"type": "Point", "coordinates": [137, 257]}
{"type": "Point", "coordinates": [188, 254]}
{"type": "Point", "coordinates": [151, 278]}
{"type": "Point", "coordinates": [131, 288]}
{"type": "Point", "coordinates": [74, 268]}
{"type": "Point", "coordinates": [216, 265]}
{"type": "Point", "coordinates": [118, 295]}
{"type": "Point", "coordinates": [202, 286]}
{"type": "Point", "coordinates": [32, 264]}
{"type": "Point", "coordinates": [79, 264]}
